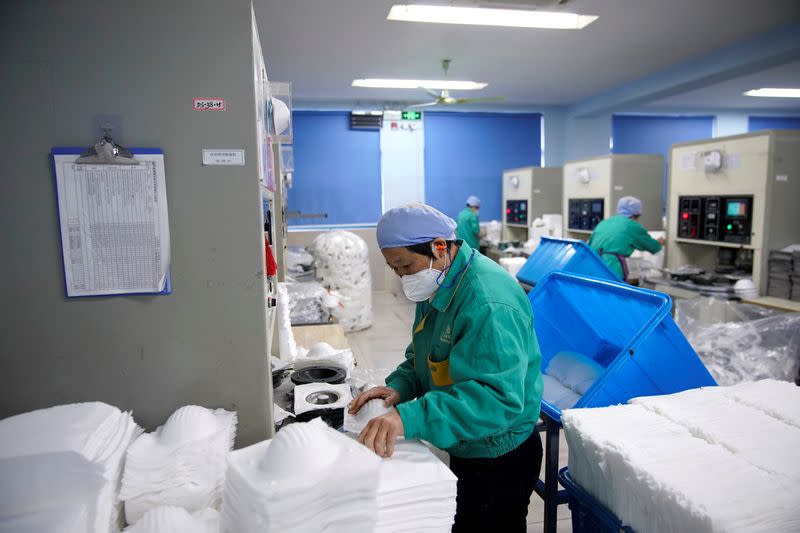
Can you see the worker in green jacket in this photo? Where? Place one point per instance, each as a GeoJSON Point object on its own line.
{"type": "Point", "coordinates": [471, 382]}
{"type": "Point", "coordinates": [469, 226]}
{"type": "Point", "coordinates": [617, 237]}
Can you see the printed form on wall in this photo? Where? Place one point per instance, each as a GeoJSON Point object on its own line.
{"type": "Point", "coordinates": [114, 226]}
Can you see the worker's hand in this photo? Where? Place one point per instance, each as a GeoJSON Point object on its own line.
{"type": "Point", "coordinates": [389, 396]}
{"type": "Point", "coordinates": [381, 432]}
{"type": "Point", "coordinates": [662, 241]}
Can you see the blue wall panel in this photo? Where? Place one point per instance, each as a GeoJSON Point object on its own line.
{"type": "Point", "coordinates": [337, 170]}
{"type": "Point", "coordinates": [646, 134]}
{"type": "Point", "coordinates": [773, 123]}
{"type": "Point", "coordinates": [466, 153]}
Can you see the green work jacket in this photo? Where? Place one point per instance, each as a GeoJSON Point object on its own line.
{"type": "Point", "coordinates": [471, 382]}
{"type": "Point", "coordinates": [469, 228]}
{"type": "Point", "coordinates": [620, 235]}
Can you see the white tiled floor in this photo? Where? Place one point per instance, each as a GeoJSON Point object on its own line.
{"type": "Point", "coordinates": [382, 347]}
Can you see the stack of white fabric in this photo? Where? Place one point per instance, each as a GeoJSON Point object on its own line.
{"type": "Point", "coordinates": [170, 519]}
{"type": "Point", "coordinates": [417, 492]}
{"type": "Point", "coordinates": [181, 464]}
{"type": "Point", "coordinates": [60, 468]}
{"type": "Point", "coordinates": [712, 459]}
{"type": "Point", "coordinates": [308, 478]}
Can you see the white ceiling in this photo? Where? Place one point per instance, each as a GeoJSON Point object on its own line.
{"type": "Point", "coordinates": [322, 45]}
{"type": "Point", "coordinates": [728, 94]}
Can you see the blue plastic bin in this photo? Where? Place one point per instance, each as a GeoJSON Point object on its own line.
{"type": "Point", "coordinates": [588, 515]}
{"type": "Point", "coordinates": [627, 330]}
{"type": "Point", "coordinates": [567, 255]}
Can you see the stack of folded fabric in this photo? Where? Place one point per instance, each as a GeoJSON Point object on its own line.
{"type": "Point", "coordinates": [308, 478]}
{"type": "Point", "coordinates": [416, 492]}
{"type": "Point", "coordinates": [60, 468]}
{"type": "Point", "coordinates": [169, 519]}
{"type": "Point", "coordinates": [181, 464]}
{"type": "Point", "coordinates": [711, 459]}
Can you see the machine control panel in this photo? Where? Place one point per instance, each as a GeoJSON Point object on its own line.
{"type": "Point", "coordinates": [517, 212]}
{"type": "Point", "coordinates": [715, 218]}
{"type": "Point", "coordinates": [585, 213]}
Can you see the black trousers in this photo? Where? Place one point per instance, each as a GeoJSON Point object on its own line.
{"type": "Point", "coordinates": [494, 494]}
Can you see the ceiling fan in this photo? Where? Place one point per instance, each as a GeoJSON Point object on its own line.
{"type": "Point", "coordinates": [443, 97]}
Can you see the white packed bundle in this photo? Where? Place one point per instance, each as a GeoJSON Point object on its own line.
{"type": "Point", "coordinates": [308, 478]}
{"type": "Point", "coordinates": [690, 461]}
{"type": "Point", "coordinates": [342, 260]}
{"type": "Point", "coordinates": [60, 468]}
{"type": "Point", "coordinates": [494, 231]}
{"type": "Point", "coordinates": [567, 377]}
{"type": "Point", "coordinates": [181, 464]}
{"type": "Point", "coordinates": [513, 265]}
{"type": "Point", "coordinates": [169, 519]}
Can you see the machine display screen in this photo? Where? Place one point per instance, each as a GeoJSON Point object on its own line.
{"type": "Point", "coordinates": [597, 207]}
{"type": "Point", "coordinates": [737, 208]}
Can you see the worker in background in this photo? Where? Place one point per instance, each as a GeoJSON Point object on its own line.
{"type": "Point", "coordinates": [469, 227]}
{"type": "Point", "coordinates": [617, 237]}
{"type": "Point", "coordinates": [470, 383]}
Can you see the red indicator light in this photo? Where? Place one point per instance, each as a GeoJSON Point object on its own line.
{"type": "Point", "coordinates": [685, 216]}
{"type": "Point", "coordinates": [508, 211]}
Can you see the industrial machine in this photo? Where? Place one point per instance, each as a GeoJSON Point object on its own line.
{"type": "Point", "coordinates": [529, 192]}
{"type": "Point", "coordinates": [731, 201]}
{"type": "Point", "coordinates": [592, 188]}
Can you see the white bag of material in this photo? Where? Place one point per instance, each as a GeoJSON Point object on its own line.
{"type": "Point", "coordinates": [60, 468]}
{"type": "Point", "coordinates": [342, 260]}
{"type": "Point", "coordinates": [181, 464]}
{"type": "Point", "coordinates": [544, 226]}
{"type": "Point", "coordinates": [287, 347]}
{"type": "Point", "coordinates": [513, 265]}
{"type": "Point", "coordinates": [494, 231]}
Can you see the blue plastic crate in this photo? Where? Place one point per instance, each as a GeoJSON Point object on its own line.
{"type": "Point", "coordinates": [567, 255]}
{"type": "Point", "coordinates": [629, 331]}
{"type": "Point", "coordinates": [589, 515]}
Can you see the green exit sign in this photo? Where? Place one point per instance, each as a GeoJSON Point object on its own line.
{"type": "Point", "coordinates": [412, 115]}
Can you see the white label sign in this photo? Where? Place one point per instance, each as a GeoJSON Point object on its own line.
{"type": "Point", "coordinates": [618, 187]}
{"type": "Point", "coordinates": [781, 177]}
{"type": "Point", "coordinates": [223, 157]}
{"type": "Point", "coordinates": [208, 104]}
{"type": "Point", "coordinates": [688, 161]}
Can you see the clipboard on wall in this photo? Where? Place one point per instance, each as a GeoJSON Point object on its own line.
{"type": "Point", "coordinates": [113, 220]}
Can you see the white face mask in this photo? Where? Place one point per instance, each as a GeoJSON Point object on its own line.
{"type": "Point", "coordinates": [420, 286]}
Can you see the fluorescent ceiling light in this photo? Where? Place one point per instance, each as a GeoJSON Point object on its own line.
{"type": "Point", "coordinates": [419, 84]}
{"type": "Point", "coordinates": [775, 92]}
{"type": "Point", "coordinates": [373, 113]}
{"type": "Point", "coordinates": [479, 16]}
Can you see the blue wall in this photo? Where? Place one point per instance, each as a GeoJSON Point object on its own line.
{"type": "Point", "coordinates": [466, 153]}
{"type": "Point", "coordinates": [336, 170]}
{"type": "Point", "coordinates": [636, 134]}
{"type": "Point", "coordinates": [755, 123]}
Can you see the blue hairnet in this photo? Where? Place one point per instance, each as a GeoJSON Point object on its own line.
{"type": "Point", "coordinates": [474, 201]}
{"type": "Point", "coordinates": [629, 206]}
{"type": "Point", "coordinates": [413, 224]}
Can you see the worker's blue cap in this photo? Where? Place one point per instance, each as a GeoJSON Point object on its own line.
{"type": "Point", "coordinates": [474, 201]}
{"type": "Point", "coordinates": [629, 206]}
{"type": "Point", "coordinates": [414, 224]}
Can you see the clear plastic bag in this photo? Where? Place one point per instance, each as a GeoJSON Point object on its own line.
{"type": "Point", "coordinates": [299, 262]}
{"type": "Point", "coordinates": [307, 303]}
{"type": "Point", "coordinates": [741, 342]}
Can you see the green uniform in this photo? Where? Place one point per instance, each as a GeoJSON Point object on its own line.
{"type": "Point", "coordinates": [620, 235]}
{"type": "Point", "coordinates": [471, 382]}
{"type": "Point", "coordinates": [469, 228]}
